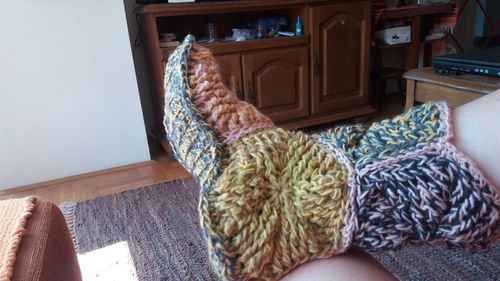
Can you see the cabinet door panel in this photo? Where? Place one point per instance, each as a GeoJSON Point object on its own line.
{"type": "Point", "coordinates": [277, 82]}
{"type": "Point", "coordinates": [230, 66]}
{"type": "Point", "coordinates": [340, 50]}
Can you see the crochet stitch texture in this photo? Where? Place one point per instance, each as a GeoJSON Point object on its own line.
{"type": "Point", "coordinates": [272, 199]}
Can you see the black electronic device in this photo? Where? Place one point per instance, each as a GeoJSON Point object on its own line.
{"type": "Point", "coordinates": [145, 2]}
{"type": "Point", "coordinates": [480, 61]}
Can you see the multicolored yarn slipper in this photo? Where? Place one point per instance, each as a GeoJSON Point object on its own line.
{"type": "Point", "coordinates": [272, 199]}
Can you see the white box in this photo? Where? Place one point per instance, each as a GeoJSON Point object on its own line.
{"type": "Point", "coordinates": [396, 35]}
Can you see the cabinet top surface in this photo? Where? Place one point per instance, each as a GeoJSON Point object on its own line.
{"type": "Point", "coordinates": [476, 83]}
{"type": "Point", "coordinates": [223, 6]}
{"type": "Point", "coordinates": [416, 10]}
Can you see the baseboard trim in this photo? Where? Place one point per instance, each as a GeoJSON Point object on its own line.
{"type": "Point", "coordinates": [75, 177]}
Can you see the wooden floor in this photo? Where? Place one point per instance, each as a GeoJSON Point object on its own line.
{"type": "Point", "coordinates": [92, 185]}
{"type": "Point", "coordinates": [162, 168]}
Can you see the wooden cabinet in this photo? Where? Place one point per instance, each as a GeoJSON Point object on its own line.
{"type": "Point", "coordinates": [277, 82]}
{"type": "Point", "coordinates": [230, 66]}
{"type": "Point", "coordinates": [299, 81]}
{"type": "Point", "coordinates": [340, 45]}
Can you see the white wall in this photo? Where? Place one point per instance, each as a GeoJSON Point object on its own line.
{"type": "Point", "coordinates": [69, 102]}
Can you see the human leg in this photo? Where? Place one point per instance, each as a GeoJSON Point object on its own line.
{"type": "Point", "coordinates": [273, 199]}
{"type": "Point", "coordinates": [354, 265]}
{"type": "Point", "coordinates": [477, 134]}
{"type": "Point", "coordinates": [476, 129]}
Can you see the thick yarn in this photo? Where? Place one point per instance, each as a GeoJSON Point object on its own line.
{"type": "Point", "coordinates": [230, 117]}
{"type": "Point", "coordinates": [280, 201]}
{"type": "Point", "coordinates": [411, 184]}
{"type": "Point", "coordinates": [272, 199]}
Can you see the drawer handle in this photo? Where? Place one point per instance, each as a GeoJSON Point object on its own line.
{"type": "Point", "coordinates": [250, 98]}
{"type": "Point", "coordinates": [316, 64]}
{"type": "Point", "coordinates": [239, 95]}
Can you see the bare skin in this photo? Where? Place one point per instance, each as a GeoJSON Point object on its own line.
{"type": "Point", "coordinates": [477, 135]}
{"type": "Point", "coordinates": [355, 265]}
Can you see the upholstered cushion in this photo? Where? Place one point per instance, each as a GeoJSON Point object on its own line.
{"type": "Point", "coordinates": [46, 252]}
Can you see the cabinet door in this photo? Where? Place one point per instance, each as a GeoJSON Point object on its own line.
{"type": "Point", "coordinates": [277, 82]}
{"type": "Point", "coordinates": [340, 55]}
{"type": "Point", "coordinates": [230, 66]}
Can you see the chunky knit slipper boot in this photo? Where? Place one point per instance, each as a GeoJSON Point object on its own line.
{"type": "Point", "coordinates": [272, 199]}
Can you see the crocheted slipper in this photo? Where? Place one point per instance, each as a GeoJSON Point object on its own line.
{"type": "Point", "coordinates": [273, 199]}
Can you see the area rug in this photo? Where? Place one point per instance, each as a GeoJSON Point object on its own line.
{"type": "Point", "coordinates": [153, 234]}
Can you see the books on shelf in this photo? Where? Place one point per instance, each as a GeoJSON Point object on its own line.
{"type": "Point", "coordinates": [167, 36]}
{"type": "Point", "coordinates": [169, 44]}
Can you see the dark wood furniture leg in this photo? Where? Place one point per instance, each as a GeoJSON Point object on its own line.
{"type": "Point", "coordinates": [401, 92]}
{"type": "Point", "coordinates": [415, 41]}
{"type": "Point", "coordinates": [154, 61]}
{"type": "Point", "coordinates": [410, 94]}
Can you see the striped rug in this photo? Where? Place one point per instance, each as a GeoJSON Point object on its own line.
{"type": "Point", "coordinates": [153, 234]}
